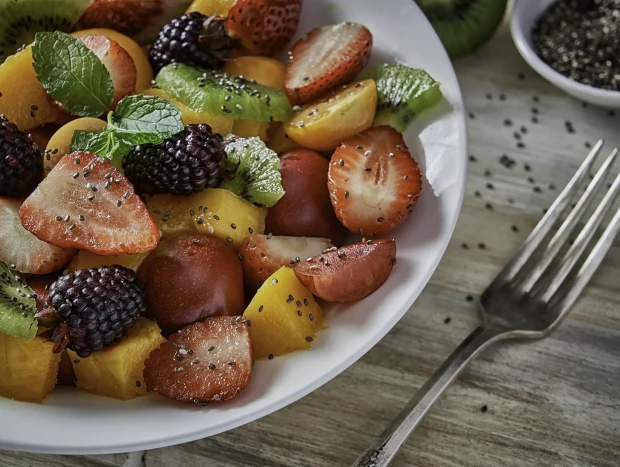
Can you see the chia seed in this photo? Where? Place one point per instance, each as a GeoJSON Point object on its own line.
{"type": "Point", "coordinates": [581, 40]}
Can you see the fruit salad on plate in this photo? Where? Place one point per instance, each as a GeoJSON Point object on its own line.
{"type": "Point", "coordinates": [176, 203]}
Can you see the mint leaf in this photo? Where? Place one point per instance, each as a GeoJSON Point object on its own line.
{"type": "Point", "coordinates": [137, 120]}
{"type": "Point", "coordinates": [72, 74]}
{"type": "Point", "coordinates": [255, 171]}
{"type": "Point", "coordinates": [105, 144]}
{"type": "Point", "coordinates": [145, 119]}
{"type": "Point", "coordinates": [17, 305]}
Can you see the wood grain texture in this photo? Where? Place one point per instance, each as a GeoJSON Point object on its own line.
{"type": "Point", "coordinates": [553, 402]}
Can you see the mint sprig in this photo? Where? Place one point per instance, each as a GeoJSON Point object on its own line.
{"type": "Point", "coordinates": [137, 120]}
{"type": "Point", "coordinates": [72, 74]}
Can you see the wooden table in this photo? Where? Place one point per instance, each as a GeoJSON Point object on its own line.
{"type": "Point", "coordinates": [554, 402]}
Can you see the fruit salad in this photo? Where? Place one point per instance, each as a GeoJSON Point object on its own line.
{"type": "Point", "coordinates": [177, 203]}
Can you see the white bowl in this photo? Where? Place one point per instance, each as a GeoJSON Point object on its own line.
{"type": "Point", "coordinates": [524, 15]}
{"type": "Point", "coordinates": [71, 422]}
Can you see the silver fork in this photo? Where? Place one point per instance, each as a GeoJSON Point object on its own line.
{"type": "Point", "coordinates": [527, 299]}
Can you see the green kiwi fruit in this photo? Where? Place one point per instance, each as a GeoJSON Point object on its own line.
{"type": "Point", "coordinates": [463, 25]}
{"type": "Point", "coordinates": [217, 93]}
{"type": "Point", "coordinates": [17, 305]}
{"type": "Point", "coordinates": [402, 93]}
{"type": "Point", "coordinates": [20, 20]}
{"type": "Point", "coordinates": [253, 169]}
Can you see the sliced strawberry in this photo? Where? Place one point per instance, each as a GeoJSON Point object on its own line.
{"type": "Point", "coordinates": [264, 26]}
{"type": "Point", "coordinates": [204, 362]}
{"type": "Point", "coordinates": [262, 255]}
{"type": "Point", "coordinates": [117, 61]}
{"type": "Point", "coordinates": [349, 273]}
{"type": "Point", "coordinates": [373, 181]}
{"type": "Point", "coordinates": [86, 203]}
{"type": "Point", "coordinates": [327, 57]}
{"type": "Point", "coordinates": [22, 249]}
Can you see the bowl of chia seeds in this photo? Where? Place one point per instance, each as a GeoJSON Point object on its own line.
{"type": "Point", "coordinates": [574, 44]}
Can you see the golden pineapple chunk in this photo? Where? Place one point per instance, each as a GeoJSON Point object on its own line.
{"type": "Point", "coordinates": [22, 93]}
{"type": "Point", "coordinates": [86, 260]}
{"type": "Point", "coordinates": [116, 371]}
{"type": "Point", "coordinates": [218, 124]}
{"type": "Point", "coordinates": [284, 315]}
{"type": "Point", "coordinates": [214, 211]}
{"type": "Point", "coordinates": [223, 214]}
{"type": "Point", "coordinates": [171, 213]}
{"type": "Point", "coordinates": [28, 369]}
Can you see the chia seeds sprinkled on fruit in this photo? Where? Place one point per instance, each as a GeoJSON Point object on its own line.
{"type": "Point", "coordinates": [346, 194]}
{"type": "Point", "coordinates": [274, 282]}
{"type": "Point", "coordinates": [59, 218]}
{"type": "Point", "coordinates": [270, 357]}
{"type": "Point", "coordinates": [507, 122]}
{"type": "Point", "coordinates": [216, 217]}
{"type": "Point", "coordinates": [298, 303]}
{"type": "Point", "coordinates": [212, 366]}
{"type": "Point", "coordinates": [232, 363]}
{"type": "Point", "coordinates": [309, 339]}
{"type": "Point", "coordinates": [260, 308]}
{"type": "Point", "coordinates": [229, 240]}
{"type": "Point", "coordinates": [581, 40]}
{"type": "Point", "coordinates": [269, 236]}
{"type": "Point", "coordinates": [211, 348]}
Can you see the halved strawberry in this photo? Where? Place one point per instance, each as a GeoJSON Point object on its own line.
{"type": "Point", "coordinates": [373, 181]}
{"type": "Point", "coordinates": [204, 362]}
{"type": "Point", "coordinates": [262, 255]}
{"type": "Point", "coordinates": [86, 203]}
{"type": "Point", "coordinates": [264, 26]}
{"type": "Point", "coordinates": [325, 58]}
{"type": "Point", "coordinates": [117, 61]}
{"type": "Point", "coordinates": [22, 249]}
{"type": "Point", "coordinates": [349, 273]}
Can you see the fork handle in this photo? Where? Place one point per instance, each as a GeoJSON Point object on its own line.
{"type": "Point", "coordinates": [385, 447]}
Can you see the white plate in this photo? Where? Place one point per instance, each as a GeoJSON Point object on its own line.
{"type": "Point", "coordinates": [78, 423]}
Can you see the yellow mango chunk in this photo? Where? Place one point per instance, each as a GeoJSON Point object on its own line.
{"type": "Point", "coordinates": [218, 124]}
{"type": "Point", "coordinates": [285, 316]}
{"type": "Point", "coordinates": [60, 142]}
{"type": "Point", "coordinates": [264, 70]}
{"type": "Point", "coordinates": [214, 211]}
{"type": "Point", "coordinates": [322, 125]}
{"type": "Point", "coordinates": [28, 369]}
{"type": "Point", "coordinates": [211, 7]}
{"type": "Point", "coordinates": [23, 99]}
{"type": "Point", "coordinates": [227, 216]}
{"type": "Point", "coordinates": [250, 128]}
{"type": "Point", "coordinates": [87, 260]}
{"type": "Point", "coordinates": [116, 371]}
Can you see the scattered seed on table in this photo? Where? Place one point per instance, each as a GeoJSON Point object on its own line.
{"type": "Point", "coordinates": [472, 158]}
{"type": "Point", "coordinates": [507, 122]}
{"type": "Point", "coordinates": [535, 110]}
{"type": "Point", "coordinates": [464, 246]}
{"type": "Point", "coordinates": [484, 409]}
{"type": "Point", "coordinates": [521, 76]}
{"type": "Point", "coordinates": [489, 206]}
{"type": "Point", "coordinates": [537, 189]}
{"type": "Point", "coordinates": [551, 186]}
{"type": "Point", "coordinates": [534, 119]}
{"type": "Point", "coordinates": [517, 135]}
{"type": "Point", "coordinates": [477, 194]}
{"type": "Point", "coordinates": [587, 145]}
{"type": "Point", "coordinates": [490, 186]}
{"type": "Point", "coordinates": [611, 113]}
{"type": "Point", "coordinates": [471, 115]}
{"type": "Point", "coordinates": [502, 97]}
{"type": "Point", "coordinates": [487, 173]}
{"type": "Point", "coordinates": [535, 99]}
{"type": "Point", "coordinates": [447, 320]}
{"type": "Point", "coordinates": [514, 228]}
{"type": "Point", "coordinates": [469, 298]}
{"type": "Point", "coordinates": [489, 96]}
{"type": "Point", "coordinates": [531, 180]}
{"type": "Point", "coordinates": [520, 144]}
{"type": "Point", "coordinates": [523, 129]}
{"type": "Point", "coordinates": [482, 246]}
{"type": "Point", "coordinates": [527, 167]}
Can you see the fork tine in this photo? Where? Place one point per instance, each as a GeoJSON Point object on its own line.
{"type": "Point", "coordinates": [589, 267]}
{"type": "Point", "coordinates": [546, 223]}
{"type": "Point", "coordinates": [584, 238]}
{"type": "Point", "coordinates": [569, 224]}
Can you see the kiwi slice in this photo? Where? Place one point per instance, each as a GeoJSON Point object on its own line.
{"type": "Point", "coordinates": [463, 25]}
{"type": "Point", "coordinates": [20, 20]}
{"type": "Point", "coordinates": [402, 93]}
{"type": "Point", "coordinates": [219, 93]}
{"type": "Point", "coordinates": [17, 305]}
{"type": "Point", "coordinates": [254, 170]}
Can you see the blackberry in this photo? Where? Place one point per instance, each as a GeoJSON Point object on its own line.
{"type": "Point", "coordinates": [97, 306]}
{"type": "Point", "coordinates": [194, 39]}
{"type": "Point", "coordinates": [21, 162]}
{"type": "Point", "coordinates": [185, 163]}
